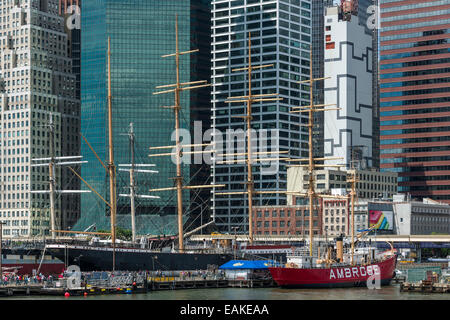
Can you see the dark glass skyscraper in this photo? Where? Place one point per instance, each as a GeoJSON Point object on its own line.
{"type": "Point", "coordinates": [415, 95]}
{"type": "Point", "coordinates": [141, 33]}
{"type": "Point", "coordinates": [318, 49]}
{"type": "Point", "coordinates": [280, 36]}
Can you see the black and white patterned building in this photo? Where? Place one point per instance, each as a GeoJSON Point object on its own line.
{"type": "Point", "coordinates": [348, 132]}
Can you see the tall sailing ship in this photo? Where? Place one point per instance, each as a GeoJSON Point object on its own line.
{"type": "Point", "coordinates": [114, 255]}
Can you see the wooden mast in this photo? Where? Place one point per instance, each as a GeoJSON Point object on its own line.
{"type": "Point", "coordinates": [249, 99]}
{"type": "Point", "coordinates": [132, 187]}
{"type": "Point", "coordinates": [311, 109]}
{"type": "Point", "coordinates": [55, 222]}
{"type": "Point", "coordinates": [111, 166]}
{"type": "Point", "coordinates": [132, 170]}
{"type": "Point", "coordinates": [178, 178]}
{"type": "Point", "coordinates": [311, 190]}
{"type": "Point", "coordinates": [51, 167]}
{"type": "Point", "coordinates": [353, 180]}
{"type": "Point", "coordinates": [250, 182]}
{"type": "Point", "coordinates": [177, 88]}
{"type": "Point", "coordinates": [352, 195]}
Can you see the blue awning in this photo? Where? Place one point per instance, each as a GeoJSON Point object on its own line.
{"type": "Point", "coordinates": [248, 264]}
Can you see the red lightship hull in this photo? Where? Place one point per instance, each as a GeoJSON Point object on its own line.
{"type": "Point", "coordinates": [339, 277]}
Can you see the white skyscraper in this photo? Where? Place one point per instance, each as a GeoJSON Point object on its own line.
{"type": "Point", "coordinates": [36, 89]}
{"type": "Point", "coordinates": [348, 63]}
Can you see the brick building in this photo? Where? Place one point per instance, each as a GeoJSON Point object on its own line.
{"type": "Point", "coordinates": [286, 220]}
{"type": "Point", "coordinates": [335, 216]}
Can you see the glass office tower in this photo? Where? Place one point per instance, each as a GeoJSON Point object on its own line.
{"type": "Point", "coordinates": [141, 33]}
{"type": "Point", "coordinates": [415, 96]}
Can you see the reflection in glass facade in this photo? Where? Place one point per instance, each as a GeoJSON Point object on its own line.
{"type": "Point", "coordinates": [415, 98]}
{"type": "Point", "coordinates": [141, 32]}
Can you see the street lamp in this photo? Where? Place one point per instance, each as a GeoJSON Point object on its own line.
{"type": "Point", "coordinates": [1, 255]}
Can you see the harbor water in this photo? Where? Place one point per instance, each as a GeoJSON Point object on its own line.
{"type": "Point", "coordinates": [391, 292]}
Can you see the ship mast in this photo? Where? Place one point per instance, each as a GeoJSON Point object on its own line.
{"type": "Point", "coordinates": [311, 190]}
{"type": "Point", "coordinates": [132, 188]}
{"type": "Point", "coordinates": [352, 195]}
{"type": "Point", "coordinates": [353, 180]}
{"type": "Point", "coordinates": [51, 169]}
{"type": "Point", "coordinates": [110, 170]}
{"type": "Point", "coordinates": [53, 162]}
{"type": "Point", "coordinates": [131, 168]}
{"type": "Point", "coordinates": [177, 88]}
{"type": "Point", "coordinates": [111, 166]}
{"type": "Point", "coordinates": [249, 99]}
{"type": "Point", "coordinates": [311, 109]}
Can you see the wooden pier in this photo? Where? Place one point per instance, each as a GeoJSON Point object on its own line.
{"type": "Point", "coordinates": [186, 284]}
{"type": "Point", "coordinates": [163, 283]}
{"type": "Point", "coordinates": [24, 290]}
{"type": "Point", "coordinates": [251, 283]}
{"type": "Point", "coordinates": [13, 290]}
{"type": "Point", "coordinates": [425, 286]}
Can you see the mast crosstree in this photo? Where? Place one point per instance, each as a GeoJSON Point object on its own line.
{"type": "Point", "coordinates": [312, 194]}
{"type": "Point", "coordinates": [249, 99]}
{"type": "Point", "coordinates": [131, 168]}
{"type": "Point", "coordinates": [52, 163]}
{"type": "Point", "coordinates": [176, 89]}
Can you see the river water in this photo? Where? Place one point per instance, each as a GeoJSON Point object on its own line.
{"type": "Point", "coordinates": [391, 292]}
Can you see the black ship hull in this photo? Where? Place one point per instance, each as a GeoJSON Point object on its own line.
{"type": "Point", "coordinates": [91, 258]}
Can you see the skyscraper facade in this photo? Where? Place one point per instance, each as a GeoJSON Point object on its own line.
{"type": "Point", "coordinates": [280, 34]}
{"type": "Point", "coordinates": [415, 95]}
{"type": "Point", "coordinates": [71, 10]}
{"type": "Point", "coordinates": [318, 50]}
{"type": "Point", "coordinates": [348, 132]}
{"type": "Point", "coordinates": [37, 88]}
{"type": "Point", "coordinates": [141, 33]}
{"type": "Point", "coordinates": [364, 10]}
